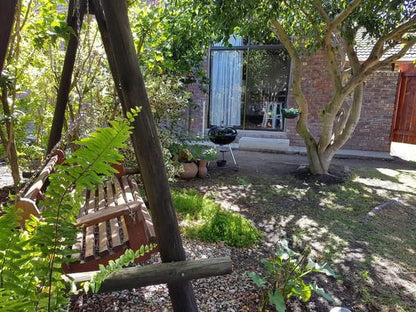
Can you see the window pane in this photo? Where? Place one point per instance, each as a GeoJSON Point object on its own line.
{"type": "Point", "coordinates": [248, 88]}
{"type": "Point", "coordinates": [266, 87]}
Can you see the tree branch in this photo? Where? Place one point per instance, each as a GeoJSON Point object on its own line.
{"type": "Point", "coordinates": [302, 125]}
{"type": "Point", "coordinates": [352, 120]}
{"type": "Point", "coordinates": [344, 14]}
{"type": "Point", "coordinates": [332, 62]}
{"type": "Point", "coordinates": [365, 72]}
{"type": "Point", "coordinates": [321, 11]}
{"type": "Point", "coordinates": [310, 19]}
{"type": "Point", "coordinates": [398, 55]}
{"type": "Point", "coordinates": [352, 56]}
{"type": "Point", "coordinates": [376, 52]}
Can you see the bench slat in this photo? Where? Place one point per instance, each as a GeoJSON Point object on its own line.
{"type": "Point", "coordinates": [118, 195]}
{"type": "Point", "coordinates": [150, 231]}
{"type": "Point", "coordinates": [102, 226]}
{"type": "Point", "coordinates": [107, 214]}
{"type": "Point", "coordinates": [124, 228]}
{"type": "Point", "coordinates": [114, 227]}
{"type": "Point", "coordinates": [126, 189]}
{"type": "Point", "coordinates": [89, 242]}
{"type": "Point", "coordinates": [115, 233]}
{"type": "Point", "coordinates": [78, 246]}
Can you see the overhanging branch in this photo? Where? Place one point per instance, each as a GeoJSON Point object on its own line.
{"type": "Point", "coordinates": [376, 52]}
{"type": "Point", "coordinates": [321, 11]}
{"type": "Point", "coordinates": [366, 71]}
{"type": "Point", "coordinates": [344, 14]}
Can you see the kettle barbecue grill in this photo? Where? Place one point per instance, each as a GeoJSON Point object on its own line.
{"type": "Point", "coordinates": [223, 136]}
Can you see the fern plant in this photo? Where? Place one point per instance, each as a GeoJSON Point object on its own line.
{"type": "Point", "coordinates": [31, 259]}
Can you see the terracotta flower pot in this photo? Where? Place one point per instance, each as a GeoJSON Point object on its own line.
{"type": "Point", "coordinates": [190, 171]}
{"type": "Point", "coordinates": [202, 168]}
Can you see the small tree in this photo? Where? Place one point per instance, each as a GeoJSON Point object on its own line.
{"type": "Point", "coordinates": [306, 26]}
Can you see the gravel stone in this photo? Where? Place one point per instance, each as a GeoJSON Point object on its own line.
{"type": "Point", "coordinates": [231, 292]}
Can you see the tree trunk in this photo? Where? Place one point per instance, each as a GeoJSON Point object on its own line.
{"type": "Point", "coordinates": [7, 11]}
{"type": "Point", "coordinates": [314, 160]}
{"type": "Point", "coordinates": [8, 139]}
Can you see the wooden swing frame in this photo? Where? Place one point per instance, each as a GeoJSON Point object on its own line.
{"type": "Point", "coordinates": [114, 26]}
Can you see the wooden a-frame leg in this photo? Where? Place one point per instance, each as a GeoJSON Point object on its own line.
{"type": "Point", "coordinates": [124, 63]}
{"type": "Point", "coordinates": [75, 21]}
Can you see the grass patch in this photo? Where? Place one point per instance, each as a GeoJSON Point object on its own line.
{"type": "Point", "coordinates": [373, 255]}
{"type": "Point", "coordinates": [208, 221]}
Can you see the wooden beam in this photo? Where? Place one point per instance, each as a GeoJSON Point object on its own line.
{"type": "Point", "coordinates": [146, 145]}
{"type": "Point", "coordinates": [160, 273]}
{"type": "Point", "coordinates": [66, 76]}
{"type": "Point", "coordinates": [107, 214]}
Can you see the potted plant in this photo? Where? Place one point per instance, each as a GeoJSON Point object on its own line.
{"type": "Point", "coordinates": [203, 154]}
{"type": "Point", "coordinates": [193, 156]}
{"type": "Point", "coordinates": [190, 168]}
{"type": "Point", "coordinates": [290, 113]}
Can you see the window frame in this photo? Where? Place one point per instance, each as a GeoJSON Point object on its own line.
{"type": "Point", "coordinates": [247, 48]}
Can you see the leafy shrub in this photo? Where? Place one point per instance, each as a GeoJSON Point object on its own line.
{"type": "Point", "coordinates": [283, 277]}
{"type": "Point", "coordinates": [207, 221]}
{"type": "Point", "coordinates": [115, 266]}
{"type": "Point", "coordinates": [31, 259]}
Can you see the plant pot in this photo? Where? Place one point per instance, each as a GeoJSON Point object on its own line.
{"type": "Point", "coordinates": [290, 113]}
{"type": "Point", "coordinates": [190, 171]}
{"type": "Point", "coordinates": [202, 168]}
{"type": "Point", "coordinates": [340, 309]}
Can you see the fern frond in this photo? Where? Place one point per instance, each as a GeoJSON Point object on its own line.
{"type": "Point", "coordinates": [31, 259]}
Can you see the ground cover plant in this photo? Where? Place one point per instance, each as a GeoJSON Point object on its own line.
{"type": "Point", "coordinates": [206, 220]}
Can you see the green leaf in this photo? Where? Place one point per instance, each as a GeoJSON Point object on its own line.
{"type": "Point", "coordinates": [320, 291]}
{"type": "Point", "coordinates": [325, 268]}
{"type": "Point", "coordinates": [277, 300]}
{"type": "Point", "coordinates": [257, 279]}
{"type": "Point", "coordinates": [305, 292]}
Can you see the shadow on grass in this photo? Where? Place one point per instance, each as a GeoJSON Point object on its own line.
{"type": "Point", "coordinates": [375, 257]}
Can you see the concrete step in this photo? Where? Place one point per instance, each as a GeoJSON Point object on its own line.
{"type": "Point", "coordinates": [264, 144]}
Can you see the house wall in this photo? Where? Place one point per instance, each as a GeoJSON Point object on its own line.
{"type": "Point", "coordinates": [197, 113]}
{"type": "Point", "coordinates": [407, 67]}
{"type": "Point", "coordinates": [374, 128]}
{"type": "Point", "coordinates": [376, 115]}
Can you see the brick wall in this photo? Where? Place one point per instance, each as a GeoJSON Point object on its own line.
{"type": "Point", "coordinates": [373, 130]}
{"type": "Point", "coordinates": [196, 109]}
{"type": "Point", "coordinates": [317, 86]}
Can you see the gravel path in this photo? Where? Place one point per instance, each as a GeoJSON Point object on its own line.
{"type": "Point", "coordinates": [232, 292]}
{"type": "Point", "coordinates": [5, 176]}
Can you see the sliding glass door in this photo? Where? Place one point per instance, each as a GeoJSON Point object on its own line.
{"type": "Point", "coordinates": [248, 86]}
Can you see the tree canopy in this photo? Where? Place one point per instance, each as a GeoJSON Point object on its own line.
{"type": "Point", "coordinates": [331, 27]}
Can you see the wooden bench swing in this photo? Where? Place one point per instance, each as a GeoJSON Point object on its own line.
{"type": "Point", "coordinates": [112, 219]}
{"type": "Point", "coordinates": [175, 270]}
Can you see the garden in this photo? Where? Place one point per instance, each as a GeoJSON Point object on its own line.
{"type": "Point", "coordinates": [370, 251]}
{"type": "Point", "coordinates": [96, 103]}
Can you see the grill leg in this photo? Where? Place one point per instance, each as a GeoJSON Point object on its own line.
{"type": "Point", "coordinates": [232, 154]}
